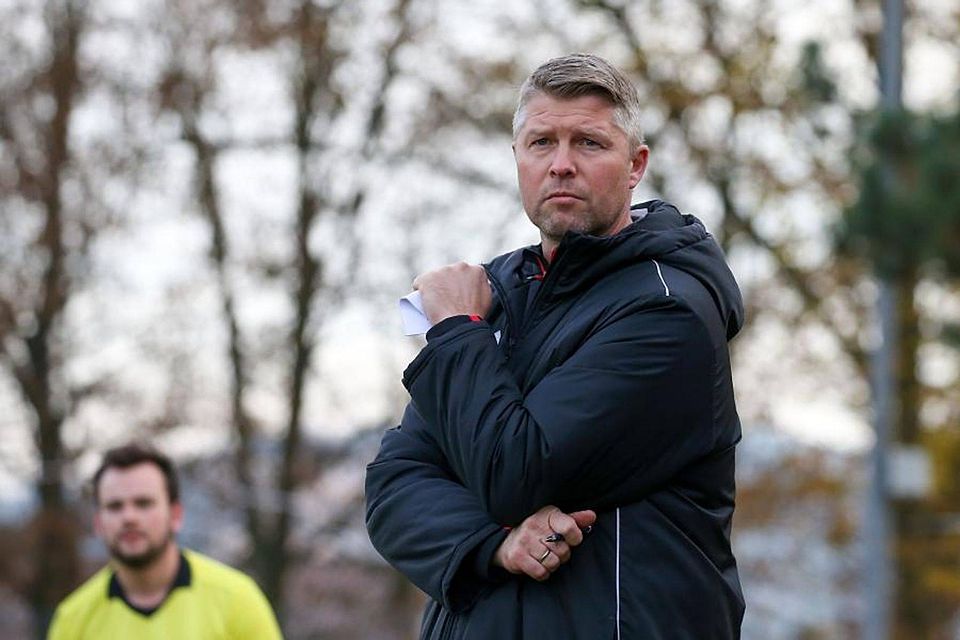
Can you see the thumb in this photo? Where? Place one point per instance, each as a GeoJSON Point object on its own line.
{"type": "Point", "coordinates": [584, 518]}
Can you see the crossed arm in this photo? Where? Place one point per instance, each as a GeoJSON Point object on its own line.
{"type": "Point", "coordinates": [473, 454]}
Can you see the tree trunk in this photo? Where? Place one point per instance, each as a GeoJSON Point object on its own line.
{"type": "Point", "coordinates": [56, 562]}
{"type": "Point", "coordinates": [914, 618]}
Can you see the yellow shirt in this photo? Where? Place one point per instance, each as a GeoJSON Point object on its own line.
{"type": "Point", "coordinates": [209, 601]}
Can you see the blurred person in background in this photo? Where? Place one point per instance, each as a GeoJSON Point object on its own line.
{"type": "Point", "coordinates": [152, 588]}
{"type": "Point", "coordinates": [580, 383]}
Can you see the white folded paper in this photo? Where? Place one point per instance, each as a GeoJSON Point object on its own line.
{"type": "Point", "coordinates": [414, 320]}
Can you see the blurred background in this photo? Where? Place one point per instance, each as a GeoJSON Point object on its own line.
{"type": "Point", "coordinates": [208, 209]}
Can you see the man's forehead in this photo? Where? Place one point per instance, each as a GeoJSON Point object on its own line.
{"type": "Point", "coordinates": [586, 111]}
{"type": "Point", "coordinates": [139, 478]}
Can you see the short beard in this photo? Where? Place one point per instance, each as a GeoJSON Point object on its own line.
{"type": "Point", "coordinates": [142, 559]}
{"type": "Point", "coordinates": [555, 232]}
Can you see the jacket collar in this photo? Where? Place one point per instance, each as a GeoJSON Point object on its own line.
{"type": "Point", "coordinates": [659, 232]}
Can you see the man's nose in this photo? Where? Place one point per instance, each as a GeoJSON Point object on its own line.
{"type": "Point", "coordinates": [562, 165]}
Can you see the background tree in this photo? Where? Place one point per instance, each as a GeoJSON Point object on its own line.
{"type": "Point", "coordinates": [71, 156]}
{"type": "Point", "coordinates": [305, 160]}
{"type": "Point", "coordinates": [906, 224]}
{"type": "Point", "coordinates": [317, 244]}
{"type": "Point", "coordinates": [48, 221]}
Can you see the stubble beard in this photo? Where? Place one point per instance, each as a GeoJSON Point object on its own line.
{"type": "Point", "coordinates": [554, 224]}
{"type": "Point", "coordinates": [143, 558]}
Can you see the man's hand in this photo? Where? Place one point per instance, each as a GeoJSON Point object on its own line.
{"type": "Point", "coordinates": [533, 548]}
{"type": "Point", "coordinates": [454, 290]}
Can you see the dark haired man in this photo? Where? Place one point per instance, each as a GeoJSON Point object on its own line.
{"type": "Point", "coordinates": [153, 589]}
{"type": "Point", "coordinates": [581, 382]}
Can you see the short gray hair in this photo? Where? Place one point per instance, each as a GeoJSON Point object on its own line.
{"type": "Point", "coordinates": [583, 74]}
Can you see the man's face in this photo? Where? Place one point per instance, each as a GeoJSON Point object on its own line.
{"type": "Point", "coordinates": [575, 167]}
{"type": "Point", "coordinates": [134, 515]}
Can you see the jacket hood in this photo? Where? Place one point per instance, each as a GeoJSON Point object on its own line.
{"type": "Point", "coordinates": [659, 232]}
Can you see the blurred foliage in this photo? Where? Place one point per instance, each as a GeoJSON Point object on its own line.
{"type": "Point", "coordinates": [752, 128]}
{"type": "Point", "coordinates": [944, 447]}
{"type": "Point", "coordinates": [800, 484]}
{"type": "Point", "coordinates": [907, 215]}
{"type": "Point", "coordinates": [816, 79]}
{"type": "Point", "coordinates": [905, 224]}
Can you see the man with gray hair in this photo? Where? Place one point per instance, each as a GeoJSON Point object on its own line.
{"type": "Point", "coordinates": [565, 467]}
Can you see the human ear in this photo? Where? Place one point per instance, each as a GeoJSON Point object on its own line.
{"type": "Point", "coordinates": [638, 164]}
{"type": "Point", "coordinates": [176, 516]}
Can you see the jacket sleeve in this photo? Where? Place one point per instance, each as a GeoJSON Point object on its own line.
{"type": "Point", "coordinates": [627, 410]}
{"type": "Point", "coordinates": [426, 523]}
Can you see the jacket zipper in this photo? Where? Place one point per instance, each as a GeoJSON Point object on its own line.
{"type": "Point", "coordinates": [545, 285]}
{"type": "Point", "coordinates": [515, 335]}
{"type": "Point", "coordinates": [502, 295]}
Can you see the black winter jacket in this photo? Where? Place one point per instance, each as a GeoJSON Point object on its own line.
{"type": "Point", "coordinates": [609, 389]}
